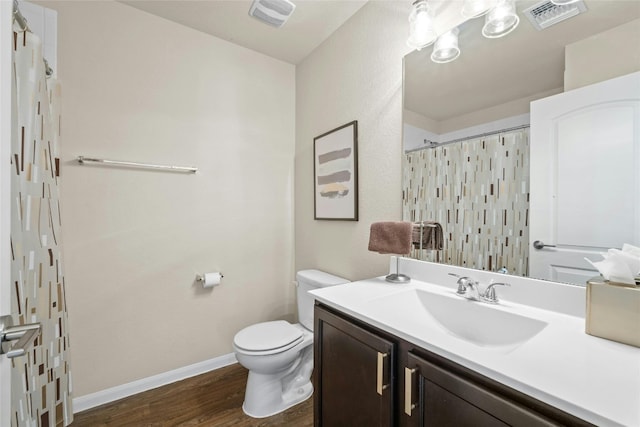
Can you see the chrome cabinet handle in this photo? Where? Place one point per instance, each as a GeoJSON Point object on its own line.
{"type": "Point", "coordinates": [539, 245]}
{"type": "Point", "coordinates": [23, 334]}
{"type": "Point", "coordinates": [408, 386]}
{"type": "Point", "coordinates": [380, 377]}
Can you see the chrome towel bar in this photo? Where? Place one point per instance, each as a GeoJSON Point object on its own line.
{"type": "Point", "coordinates": [82, 160]}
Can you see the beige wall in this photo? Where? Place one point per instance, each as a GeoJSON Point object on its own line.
{"type": "Point", "coordinates": [604, 56]}
{"type": "Point", "coordinates": [137, 87]}
{"type": "Point", "coordinates": [418, 120]}
{"type": "Point", "coordinates": [491, 114]}
{"type": "Point", "coordinates": [356, 74]}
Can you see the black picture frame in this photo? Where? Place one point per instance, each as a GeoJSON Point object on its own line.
{"type": "Point", "coordinates": [335, 174]}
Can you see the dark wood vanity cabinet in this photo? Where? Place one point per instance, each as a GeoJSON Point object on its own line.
{"type": "Point", "coordinates": [366, 377]}
{"type": "Point", "coordinates": [353, 374]}
{"type": "Point", "coordinates": [442, 395]}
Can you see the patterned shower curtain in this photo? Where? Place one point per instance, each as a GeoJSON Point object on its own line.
{"type": "Point", "coordinates": [478, 190]}
{"type": "Point", "coordinates": [41, 380]}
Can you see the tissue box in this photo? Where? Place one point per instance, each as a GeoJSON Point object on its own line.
{"type": "Point", "coordinates": [613, 311]}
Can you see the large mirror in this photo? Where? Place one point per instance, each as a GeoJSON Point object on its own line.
{"type": "Point", "coordinates": [467, 140]}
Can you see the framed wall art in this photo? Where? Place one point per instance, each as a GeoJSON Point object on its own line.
{"type": "Point", "coordinates": [336, 173]}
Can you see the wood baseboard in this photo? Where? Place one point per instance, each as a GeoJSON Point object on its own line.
{"type": "Point", "coordinates": [82, 403]}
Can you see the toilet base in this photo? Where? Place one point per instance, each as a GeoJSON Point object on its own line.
{"type": "Point", "coordinates": [270, 394]}
{"type": "Point", "coordinates": [289, 400]}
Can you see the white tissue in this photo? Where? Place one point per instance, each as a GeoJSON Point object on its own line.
{"type": "Point", "coordinates": [211, 279]}
{"type": "Point", "coordinates": [630, 249]}
{"type": "Point", "coordinates": [620, 266]}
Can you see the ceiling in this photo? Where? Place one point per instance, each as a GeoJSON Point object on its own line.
{"type": "Point", "coordinates": [492, 72]}
{"type": "Point", "coordinates": [311, 23]}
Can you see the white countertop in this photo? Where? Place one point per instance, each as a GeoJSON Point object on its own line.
{"type": "Point", "coordinates": [592, 378]}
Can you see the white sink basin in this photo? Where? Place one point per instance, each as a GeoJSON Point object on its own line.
{"type": "Point", "coordinates": [475, 322]}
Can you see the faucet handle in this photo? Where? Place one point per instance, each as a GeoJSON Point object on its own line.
{"type": "Point", "coordinates": [490, 293]}
{"type": "Point", "coordinates": [463, 283]}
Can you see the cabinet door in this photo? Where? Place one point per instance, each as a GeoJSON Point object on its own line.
{"type": "Point", "coordinates": [353, 374]}
{"type": "Point", "coordinates": [435, 396]}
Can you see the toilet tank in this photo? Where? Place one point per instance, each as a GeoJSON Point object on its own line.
{"type": "Point", "coordinates": [309, 280]}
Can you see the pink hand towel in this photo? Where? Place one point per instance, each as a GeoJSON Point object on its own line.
{"type": "Point", "coordinates": [391, 237]}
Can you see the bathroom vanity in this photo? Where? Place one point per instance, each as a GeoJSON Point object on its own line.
{"type": "Point", "coordinates": [418, 354]}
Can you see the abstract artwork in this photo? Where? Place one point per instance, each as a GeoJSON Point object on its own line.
{"type": "Point", "coordinates": [336, 173]}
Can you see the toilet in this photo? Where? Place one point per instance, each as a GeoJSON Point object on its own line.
{"type": "Point", "coordinates": [279, 355]}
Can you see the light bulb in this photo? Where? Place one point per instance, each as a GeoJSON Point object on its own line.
{"type": "Point", "coordinates": [501, 20]}
{"type": "Point", "coordinates": [446, 47]}
{"type": "Point", "coordinates": [421, 31]}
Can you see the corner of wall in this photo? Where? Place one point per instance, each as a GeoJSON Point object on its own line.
{"type": "Point", "coordinates": [590, 61]}
{"type": "Point", "coordinates": [356, 74]}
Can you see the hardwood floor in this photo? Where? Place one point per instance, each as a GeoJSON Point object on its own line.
{"type": "Point", "coordinates": [211, 399]}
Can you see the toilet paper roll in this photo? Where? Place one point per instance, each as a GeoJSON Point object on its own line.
{"type": "Point", "coordinates": [211, 279]}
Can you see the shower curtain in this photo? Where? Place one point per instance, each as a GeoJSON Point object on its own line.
{"type": "Point", "coordinates": [41, 380]}
{"type": "Point", "coordinates": [478, 190]}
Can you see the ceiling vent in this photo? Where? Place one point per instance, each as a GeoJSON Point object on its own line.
{"type": "Point", "coordinates": [272, 12]}
{"type": "Point", "coordinates": [545, 14]}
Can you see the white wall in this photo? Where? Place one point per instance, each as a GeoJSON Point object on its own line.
{"type": "Point", "coordinates": [140, 88]}
{"type": "Point", "coordinates": [356, 74]}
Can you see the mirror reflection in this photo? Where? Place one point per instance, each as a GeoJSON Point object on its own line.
{"type": "Point", "coordinates": [480, 156]}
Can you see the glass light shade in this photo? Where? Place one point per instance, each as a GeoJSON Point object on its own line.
{"type": "Point", "coordinates": [421, 30]}
{"type": "Point", "coordinates": [446, 47]}
{"type": "Point", "coordinates": [501, 19]}
{"type": "Point", "coordinates": [563, 2]}
{"type": "Point", "coordinates": [475, 8]}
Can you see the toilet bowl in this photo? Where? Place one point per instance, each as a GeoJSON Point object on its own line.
{"type": "Point", "coordinates": [279, 355]}
{"type": "Point", "coordinates": [278, 377]}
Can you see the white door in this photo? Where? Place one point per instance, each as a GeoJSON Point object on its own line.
{"type": "Point", "coordinates": [6, 8]}
{"type": "Point", "coordinates": [585, 177]}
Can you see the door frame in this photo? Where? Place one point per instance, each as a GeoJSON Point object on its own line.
{"type": "Point", "coordinates": [6, 23]}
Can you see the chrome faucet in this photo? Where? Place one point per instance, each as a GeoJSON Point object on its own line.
{"type": "Point", "coordinates": [489, 294]}
{"type": "Point", "coordinates": [467, 287]}
{"type": "Point", "coordinates": [470, 289]}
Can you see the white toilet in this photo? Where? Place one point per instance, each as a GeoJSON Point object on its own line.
{"type": "Point", "coordinates": [279, 355]}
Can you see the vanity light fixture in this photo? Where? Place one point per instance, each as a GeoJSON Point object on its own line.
{"type": "Point", "coordinates": [446, 47]}
{"type": "Point", "coordinates": [501, 19]}
{"type": "Point", "coordinates": [421, 30]}
{"type": "Point", "coordinates": [475, 8]}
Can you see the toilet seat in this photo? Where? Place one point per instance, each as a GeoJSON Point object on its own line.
{"type": "Point", "coordinates": [268, 338]}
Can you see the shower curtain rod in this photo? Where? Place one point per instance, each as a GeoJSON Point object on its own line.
{"type": "Point", "coordinates": [24, 26]}
{"type": "Point", "coordinates": [82, 160]}
{"type": "Point", "coordinates": [466, 138]}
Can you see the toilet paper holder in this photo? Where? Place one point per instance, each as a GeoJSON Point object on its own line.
{"type": "Point", "coordinates": [209, 280]}
{"type": "Point", "coordinates": [200, 277]}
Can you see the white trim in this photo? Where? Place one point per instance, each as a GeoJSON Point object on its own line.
{"type": "Point", "coordinates": [6, 14]}
{"type": "Point", "coordinates": [98, 398]}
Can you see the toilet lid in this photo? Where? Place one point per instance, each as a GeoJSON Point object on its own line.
{"type": "Point", "coordinates": [267, 336]}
